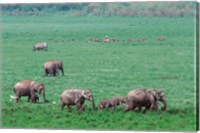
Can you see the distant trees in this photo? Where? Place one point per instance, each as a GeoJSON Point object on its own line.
{"type": "Point", "coordinates": [171, 9]}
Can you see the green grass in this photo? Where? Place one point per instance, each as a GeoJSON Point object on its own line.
{"type": "Point", "coordinates": [106, 69]}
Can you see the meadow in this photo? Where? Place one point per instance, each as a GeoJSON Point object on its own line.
{"type": "Point", "coordinates": [108, 69]}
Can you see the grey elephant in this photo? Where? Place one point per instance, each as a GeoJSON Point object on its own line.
{"type": "Point", "coordinates": [113, 102]}
{"type": "Point", "coordinates": [76, 97]}
{"type": "Point", "coordinates": [118, 100]}
{"type": "Point", "coordinates": [40, 46]}
{"type": "Point", "coordinates": [29, 88]}
{"type": "Point", "coordinates": [105, 103]}
{"type": "Point", "coordinates": [52, 66]}
{"type": "Point", "coordinates": [145, 98]}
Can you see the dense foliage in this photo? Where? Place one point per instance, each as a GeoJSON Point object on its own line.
{"type": "Point", "coordinates": [178, 9]}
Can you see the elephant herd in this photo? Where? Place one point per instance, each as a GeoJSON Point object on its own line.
{"type": "Point", "coordinates": [135, 99]}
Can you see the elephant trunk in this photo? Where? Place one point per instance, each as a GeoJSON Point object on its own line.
{"type": "Point", "coordinates": [93, 105]}
{"type": "Point", "coordinates": [44, 97]}
{"type": "Point", "coordinates": [62, 71]}
{"type": "Point", "coordinates": [164, 105]}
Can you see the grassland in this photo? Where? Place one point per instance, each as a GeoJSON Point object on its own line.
{"type": "Point", "coordinates": [107, 69]}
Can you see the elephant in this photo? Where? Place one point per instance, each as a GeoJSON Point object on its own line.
{"type": "Point", "coordinates": [51, 67]}
{"type": "Point", "coordinates": [40, 46]}
{"type": "Point", "coordinates": [105, 103]}
{"type": "Point", "coordinates": [29, 88]}
{"type": "Point", "coordinates": [113, 102]}
{"type": "Point", "coordinates": [76, 97]}
{"type": "Point", "coordinates": [118, 100]}
{"type": "Point", "coordinates": [145, 98]}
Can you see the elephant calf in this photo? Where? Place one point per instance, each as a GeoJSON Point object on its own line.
{"type": "Point", "coordinates": [51, 67]}
{"type": "Point", "coordinates": [118, 100]}
{"type": "Point", "coordinates": [76, 97]}
{"type": "Point", "coordinates": [29, 88]}
{"type": "Point", "coordinates": [112, 103]}
{"type": "Point", "coordinates": [105, 103]}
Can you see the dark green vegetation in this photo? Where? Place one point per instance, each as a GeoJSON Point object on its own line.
{"type": "Point", "coordinates": [170, 9]}
{"type": "Point", "coordinates": [108, 69]}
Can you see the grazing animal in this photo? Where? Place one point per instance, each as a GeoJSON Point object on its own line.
{"type": "Point", "coordinates": [118, 100]}
{"type": "Point", "coordinates": [105, 103]}
{"type": "Point", "coordinates": [145, 98]}
{"type": "Point", "coordinates": [76, 97]}
{"type": "Point", "coordinates": [52, 66]}
{"type": "Point", "coordinates": [112, 103]}
{"type": "Point", "coordinates": [29, 88]}
{"type": "Point", "coordinates": [40, 46]}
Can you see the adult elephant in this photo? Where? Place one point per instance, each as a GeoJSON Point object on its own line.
{"type": "Point", "coordinates": [29, 88]}
{"type": "Point", "coordinates": [76, 97]}
{"type": "Point", "coordinates": [40, 46]}
{"type": "Point", "coordinates": [52, 66]}
{"type": "Point", "coordinates": [145, 98]}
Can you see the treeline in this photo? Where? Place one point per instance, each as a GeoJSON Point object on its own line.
{"type": "Point", "coordinates": [170, 9]}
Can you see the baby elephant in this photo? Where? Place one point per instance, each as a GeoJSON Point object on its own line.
{"type": "Point", "coordinates": [118, 100]}
{"type": "Point", "coordinates": [112, 103]}
{"type": "Point", "coordinates": [105, 103]}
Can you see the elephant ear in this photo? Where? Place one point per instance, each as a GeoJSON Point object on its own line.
{"type": "Point", "coordinates": [35, 87]}
{"type": "Point", "coordinates": [155, 95]}
{"type": "Point", "coordinates": [77, 98]}
{"type": "Point", "coordinates": [160, 93]}
{"type": "Point", "coordinates": [84, 93]}
{"type": "Point", "coordinates": [59, 64]}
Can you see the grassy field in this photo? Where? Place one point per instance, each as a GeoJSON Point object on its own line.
{"type": "Point", "coordinates": [108, 69]}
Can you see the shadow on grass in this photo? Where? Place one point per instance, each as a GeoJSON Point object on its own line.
{"type": "Point", "coordinates": [180, 111]}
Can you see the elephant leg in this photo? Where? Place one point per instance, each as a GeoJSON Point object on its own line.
{"type": "Point", "coordinates": [79, 105]}
{"type": "Point", "coordinates": [137, 109]}
{"type": "Point", "coordinates": [33, 96]}
{"type": "Point", "coordinates": [145, 110]}
{"type": "Point", "coordinates": [154, 107]}
{"type": "Point", "coordinates": [54, 72]}
{"type": "Point", "coordinates": [129, 108]}
{"type": "Point", "coordinates": [82, 107]}
{"type": "Point", "coordinates": [29, 97]}
{"type": "Point", "coordinates": [62, 105]}
{"type": "Point", "coordinates": [18, 97]}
